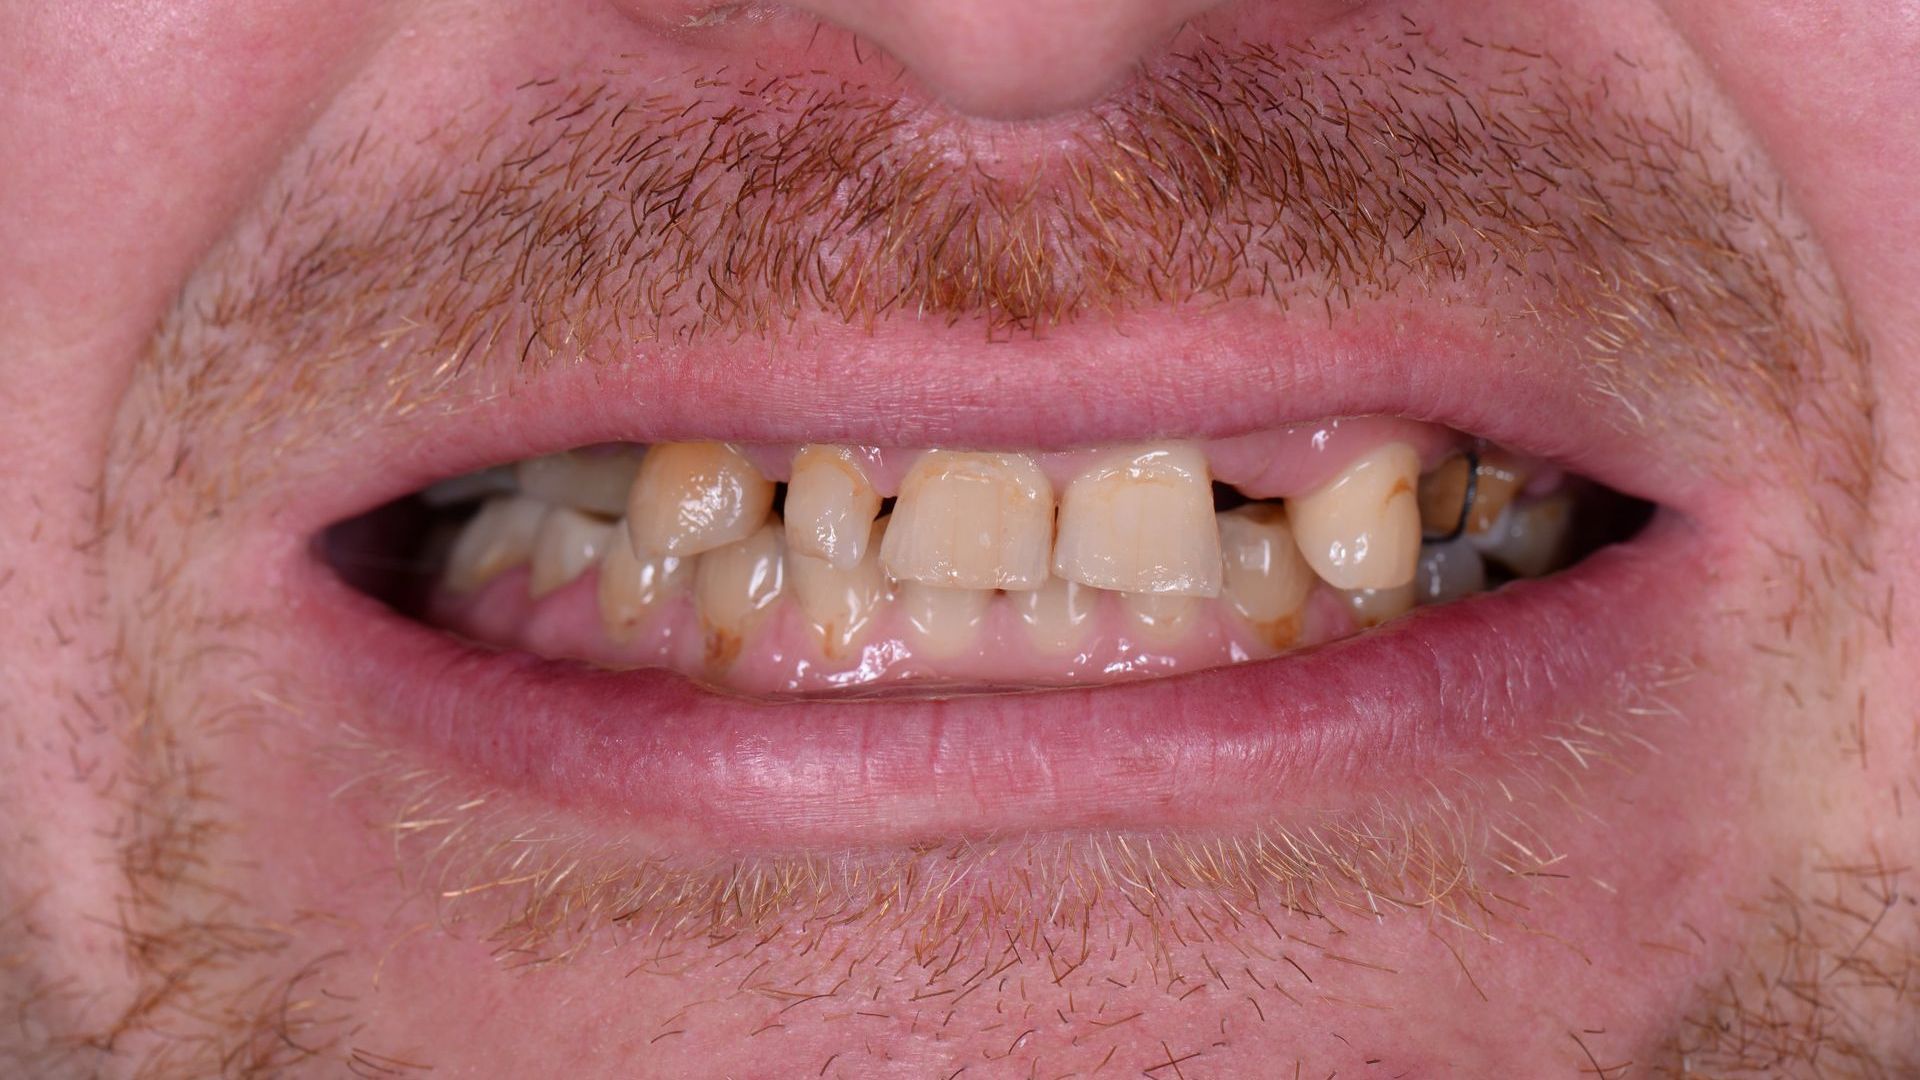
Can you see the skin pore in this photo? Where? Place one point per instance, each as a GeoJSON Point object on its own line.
{"type": "Point", "coordinates": [218, 861]}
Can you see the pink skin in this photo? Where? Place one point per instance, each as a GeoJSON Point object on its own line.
{"type": "Point", "coordinates": [132, 136]}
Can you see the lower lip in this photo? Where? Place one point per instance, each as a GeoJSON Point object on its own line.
{"type": "Point", "coordinates": [649, 752]}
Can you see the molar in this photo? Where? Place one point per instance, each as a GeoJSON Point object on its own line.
{"type": "Point", "coordinates": [597, 483]}
{"type": "Point", "coordinates": [942, 622]}
{"type": "Point", "coordinates": [830, 506]}
{"type": "Point", "coordinates": [1529, 538]}
{"type": "Point", "coordinates": [567, 542]}
{"type": "Point", "coordinates": [1141, 522]}
{"type": "Point", "coordinates": [1362, 529]}
{"type": "Point", "coordinates": [971, 521]}
{"type": "Point", "coordinates": [499, 538]}
{"type": "Point", "coordinates": [839, 603]}
{"type": "Point", "coordinates": [694, 497]}
{"type": "Point", "coordinates": [1056, 615]}
{"type": "Point", "coordinates": [736, 586]}
{"type": "Point", "coordinates": [631, 588]}
{"type": "Point", "coordinates": [1267, 581]}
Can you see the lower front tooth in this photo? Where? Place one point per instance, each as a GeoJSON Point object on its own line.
{"type": "Point", "coordinates": [568, 542]}
{"type": "Point", "coordinates": [497, 539]}
{"type": "Point", "coordinates": [1266, 579]}
{"type": "Point", "coordinates": [1362, 529]}
{"type": "Point", "coordinates": [631, 588]}
{"type": "Point", "coordinates": [1141, 523]}
{"type": "Point", "coordinates": [736, 586]}
{"type": "Point", "coordinates": [1529, 538]}
{"type": "Point", "coordinates": [1056, 615]}
{"type": "Point", "coordinates": [942, 622]}
{"type": "Point", "coordinates": [840, 604]}
{"type": "Point", "coordinates": [1161, 618]}
{"type": "Point", "coordinates": [1449, 571]}
{"type": "Point", "coordinates": [1371, 607]}
{"type": "Point", "coordinates": [596, 482]}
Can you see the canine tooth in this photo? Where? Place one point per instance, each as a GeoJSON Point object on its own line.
{"type": "Point", "coordinates": [1266, 580]}
{"type": "Point", "coordinates": [1449, 571]}
{"type": "Point", "coordinates": [597, 483]}
{"type": "Point", "coordinates": [1141, 523]}
{"type": "Point", "coordinates": [1529, 538]}
{"type": "Point", "coordinates": [839, 604]}
{"type": "Point", "coordinates": [498, 538]}
{"type": "Point", "coordinates": [1371, 607]}
{"type": "Point", "coordinates": [942, 622]}
{"type": "Point", "coordinates": [1055, 614]}
{"type": "Point", "coordinates": [568, 542]}
{"type": "Point", "coordinates": [830, 506]}
{"type": "Point", "coordinates": [1362, 529]}
{"type": "Point", "coordinates": [736, 586]}
{"type": "Point", "coordinates": [971, 521]}
{"type": "Point", "coordinates": [694, 497]}
{"type": "Point", "coordinates": [1162, 618]}
{"type": "Point", "coordinates": [631, 588]}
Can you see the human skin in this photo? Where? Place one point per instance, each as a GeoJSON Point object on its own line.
{"type": "Point", "coordinates": [221, 855]}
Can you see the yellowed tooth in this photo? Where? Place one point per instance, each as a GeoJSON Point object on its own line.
{"type": "Point", "coordinates": [1449, 571]}
{"type": "Point", "coordinates": [1160, 618]}
{"type": "Point", "coordinates": [736, 587]}
{"type": "Point", "coordinates": [942, 622]}
{"type": "Point", "coordinates": [830, 506]}
{"type": "Point", "coordinates": [632, 588]}
{"type": "Point", "coordinates": [840, 604]}
{"type": "Point", "coordinates": [568, 542]}
{"type": "Point", "coordinates": [497, 539]}
{"type": "Point", "coordinates": [694, 497]}
{"type": "Point", "coordinates": [971, 521]}
{"type": "Point", "coordinates": [1529, 538]}
{"type": "Point", "coordinates": [1371, 607]}
{"type": "Point", "coordinates": [1057, 615]}
{"type": "Point", "coordinates": [1362, 529]}
{"type": "Point", "coordinates": [1266, 581]}
{"type": "Point", "coordinates": [597, 483]}
{"type": "Point", "coordinates": [1141, 522]}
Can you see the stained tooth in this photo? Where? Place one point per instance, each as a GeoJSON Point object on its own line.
{"type": "Point", "coordinates": [568, 542]}
{"type": "Point", "coordinates": [1141, 523]}
{"type": "Point", "coordinates": [942, 622]}
{"type": "Point", "coordinates": [498, 538]}
{"type": "Point", "coordinates": [1495, 484]}
{"type": "Point", "coordinates": [596, 482]}
{"type": "Point", "coordinates": [631, 588]}
{"type": "Point", "coordinates": [1371, 607]}
{"type": "Point", "coordinates": [1161, 618]}
{"type": "Point", "coordinates": [1449, 571]}
{"type": "Point", "coordinates": [1267, 580]}
{"type": "Point", "coordinates": [840, 604]}
{"type": "Point", "coordinates": [1362, 530]}
{"type": "Point", "coordinates": [694, 497]}
{"type": "Point", "coordinates": [1529, 538]}
{"type": "Point", "coordinates": [830, 506]}
{"type": "Point", "coordinates": [736, 586]}
{"type": "Point", "coordinates": [971, 521]}
{"type": "Point", "coordinates": [1443, 495]}
{"type": "Point", "coordinates": [1056, 615]}
{"type": "Point", "coordinates": [1443, 492]}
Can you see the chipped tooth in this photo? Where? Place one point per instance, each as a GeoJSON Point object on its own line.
{"type": "Point", "coordinates": [1056, 614]}
{"type": "Point", "coordinates": [1161, 618]}
{"type": "Point", "coordinates": [1362, 529]}
{"type": "Point", "coordinates": [694, 497]}
{"type": "Point", "coordinates": [971, 521]}
{"type": "Point", "coordinates": [568, 542]}
{"type": "Point", "coordinates": [1529, 538]}
{"type": "Point", "coordinates": [1267, 581]}
{"type": "Point", "coordinates": [1141, 522]}
{"type": "Point", "coordinates": [1449, 571]}
{"type": "Point", "coordinates": [1371, 607]}
{"type": "Point", "coordinates": [595, 482]}
{"type": "Point", "coordinates": [498, 538]}
{"type": "Point", "coordinates": [830, 506]}
{"type": "Point", "coordinates": [736, 586]}
{"type": "Point", "coordinates": [942, 622]}
{"type": "Point", "coordinates": [840, 604]}
{"type": "Point", "coordinates": [631, 588]}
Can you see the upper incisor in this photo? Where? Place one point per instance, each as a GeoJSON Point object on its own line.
{"type": "Point", "coordinates": [971, 521]}
{"type": "Point", "coordinates": [1141, 521]}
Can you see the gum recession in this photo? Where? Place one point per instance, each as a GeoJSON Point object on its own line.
{"type": "Point", "coordinates": [1446, 687]}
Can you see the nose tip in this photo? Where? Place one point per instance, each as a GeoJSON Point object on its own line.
{"type": "Point", "coordinates": [1014, 59]}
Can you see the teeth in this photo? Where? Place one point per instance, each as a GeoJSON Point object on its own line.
{"type": "Point", "coordinates": [568, 542]}
{"type": "Point", "coordinates": [1162, 618]}
{"type": "Point", "coordinates": [971, 521]}
{"type": "Point", "coordinates": [1371, 607]}
{"type": "Point", "coordinates": [1267, 580]}
{"type": "Point", "coordinates": [1142, 523]}
{"type": "Point", "coordinates": [472, 487]}
{"type": "Point", "coordinates": [1443, 493]}
{"type": "Point", "coordinates": [1496, 482]}
{"type": "Point", "coordinates": [840, 604]}
{"type": "Point", "coordinates": [736, 586]}
{"type": "Point", "coordinates": [830, 506]}
{"type": "Point", "coordinates": [631, 588]}
{"type": "Point", "coordinates": [1449, 571]}
{"type": "Point", "coordinates": [499, 538]}
{"type": "Point", "coordinates": [1362, 530]}
{"type": "Point", "coordinates": [1055, 614]}
{"type": "Point", "coordinates": [694, 497]}
{"type": "Point", "coordinates": [597, 483]}
{"type": "Point", "coordinates": [1529, 539]}
{"type": "Point", "coordinates": [942, 622]}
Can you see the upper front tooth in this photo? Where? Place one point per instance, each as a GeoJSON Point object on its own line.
{"type": "Point", "coordinates": [694, 497]}
{"type": "Point", "coordinates": [839, 603]}
{"type": "Point", "coordinates": [1362, 529]}
{"type": "Point", "coordinates": [1142, 523]}
{"type": "Point", "coordinates": [568, 542]}
{"type": "Point", "coordinates": [498, 538]}
{"type": "Point", "coordinates": [971, 521]}
{"type": "Point", "coordinates": [597, 482]}
{"type": "Point", "coordinates": [1267, 581]}
{"type": "Point", "coordinates": [830, 506]}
